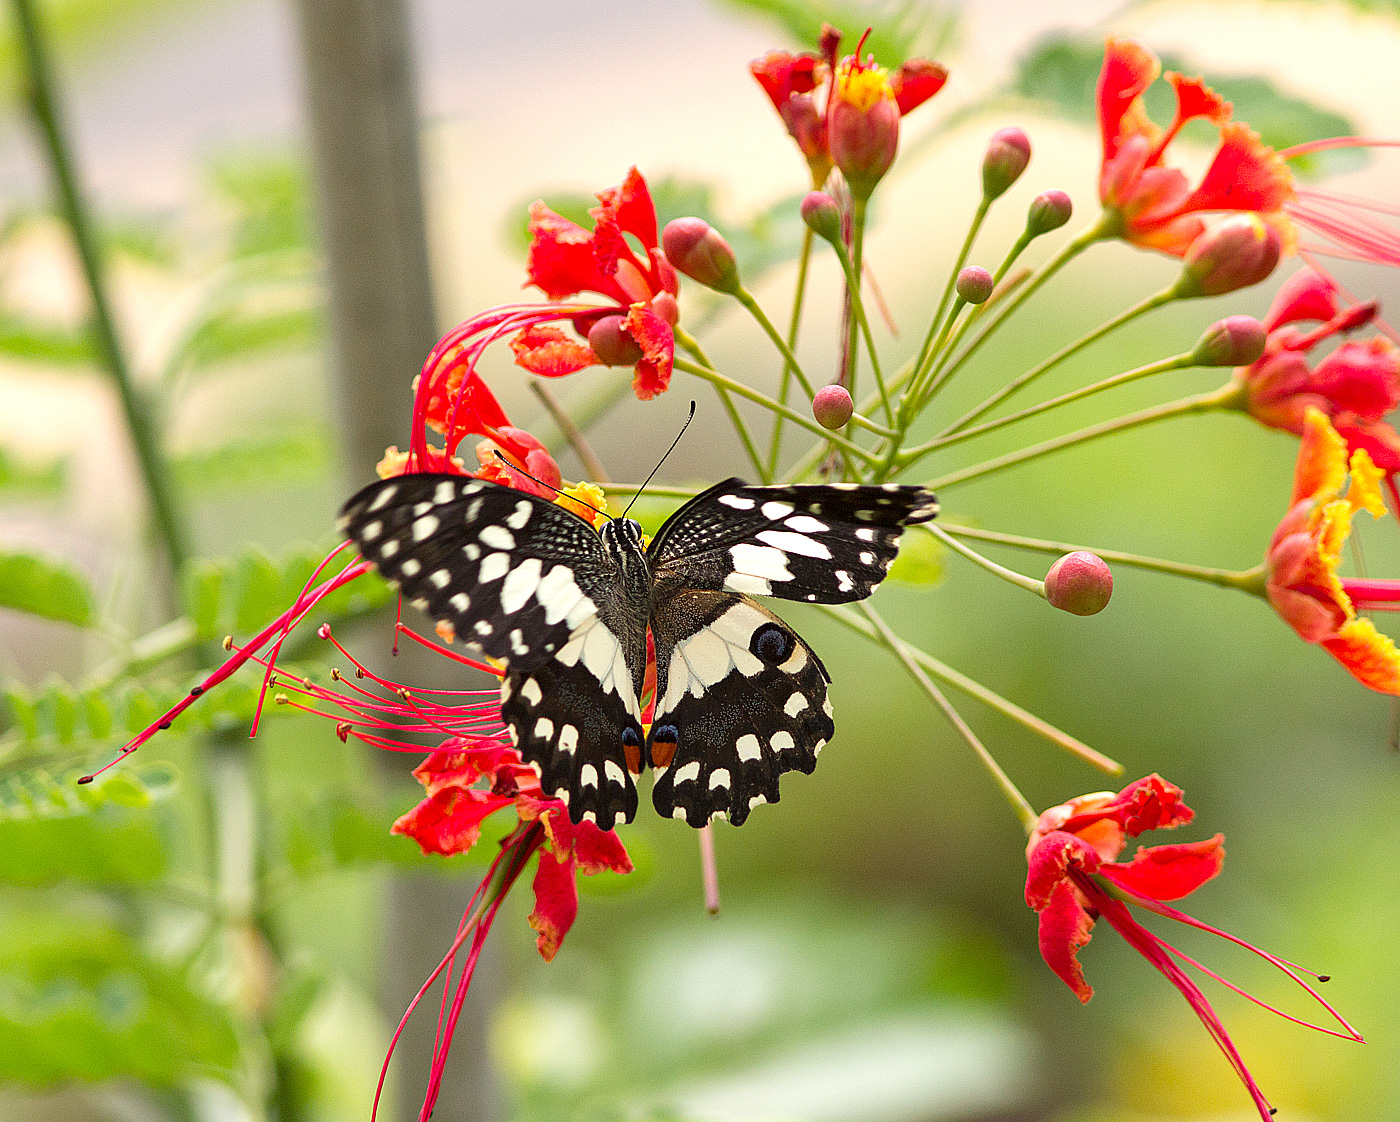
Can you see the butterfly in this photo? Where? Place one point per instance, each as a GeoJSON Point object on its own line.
{"type": "Point", "coordinates": [740, 698]}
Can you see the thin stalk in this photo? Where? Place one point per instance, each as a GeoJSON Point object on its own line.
{"type": "Point", "coordinates": [1009, 789]}
{"type": "Point", "coordinates": [586, 456]}
{"type": "Point", "coordinates": [790, 359]}
{"type": "Point", "coordinates": [1157, 300]}
{"type": "Point", "coordinates": [722, 382]}
{"type": "Point", "coordinates": [1068, 253]}
{"type": "Point", "coordinates": [991, 698]}
{"type": "Point", "coordinates": [155, 470]}
{"type": "Point", "coordinates": [937, 327]}
{"type": "Point", "coordinates": [1030, 584]}
{"type": "Point", "coordinates": [848, 372]}
{"type": "Point", "coordinates": [1222, 398]}
{"type": "Point", "coordinates": [660, 489]}
{"type": "Point", "coordinates": [722, 387]}
{"type": "Point", "coordinates": [799, 296]}
{"type": "Point", "coordinates": [1246, 580]}
{"type": "Point", "coordinates": [947, 345]}
{"type": "Point", "coordinates": [860, 319]}
{"type": "Point", "coordinates": [1176, 362]}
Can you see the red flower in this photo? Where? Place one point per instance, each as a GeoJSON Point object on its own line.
{"type": "Point", "coordinates": [1074, 879]}
{"type": "Point", "coordinates": [1355, 386]}
{"type": "Point", "coordinates": [1301, 564]}
{"type": "Point", "coordinates": [565, 260]}
{"type": "Point", "coordinates": [793, 81]}
{"type": "Point", "coordinates": [1154, 205]}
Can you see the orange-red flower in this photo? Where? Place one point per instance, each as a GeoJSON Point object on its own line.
{"type": "Point", "coordinates": [1154, 205]}
{"type": "Point", "coordinates": [1301, 565]}
{"type": "Point", "coordinates": [1355, 386]}
{"type": "Point", "coordinates": [856, 126]}
{"type": "Point", "coordinates": [1075, 879]}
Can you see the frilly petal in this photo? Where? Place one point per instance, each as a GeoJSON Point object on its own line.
{"type": "Point", "coordinates": [652, 375]}
{"type": "Point", "coordinates": [1169, 872]}
{"type": "Point", "coordinates": [1306, 295]}
{"type": "Point", "coordinates": [1128, 69]}
{"type": "Point", "coordinates": [449, 822]}
{"type": "Point", "coordinates": [1065, 927]}
{"type": "Point", "coordinates": [1049, 860]}
{"type": "Point", "coordinates": [556, 903]}
{"type": "Point", "coordinates": [548, 352]}
{"type": "Point", "coordinates": [1321, 469]}
{"type": "Point", "coordinates": [1368, 654]}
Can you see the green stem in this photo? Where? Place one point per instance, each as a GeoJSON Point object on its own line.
{"type": "Point", "coordinates": [858, 312]}
{"type": "Point", "coordinates": [1018, 802]}
{"type": "Point", "coordinates": [1247, 580]}
{"type": "Point", "coordinates": [946, 673]}
{"type": "Point", "coordinates": [155, 470]}
{"type": "Point", "coordinates": [1030, 584]}
{"type": "Point", "coordinates": [852, 362]}
{"type": "Point", "coordinates": [1157, 300]}
{"type": "Point", "coordinates": [1068, 253]}
{"type": "Point", "coordinates": [745, 297]}
{"type": "Point", "coordinates": [1222, 398]}
{"type": "Point", "coordinates": [722, 386]}
{"type": "Point", "coordinates": [1176, 362]}
{"type": "Point", "coordinates": [721, 382]}
{"type": "Point", "coordinates": [799, 296]}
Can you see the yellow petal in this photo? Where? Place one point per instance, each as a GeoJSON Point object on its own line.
{"type": "Point", "coordinates": [579, 498]}
{"type": "Point", "coordinates": [1331, 536]}
{"type": "Point", "coordinates": [1365, 490]}
{"type": "Point", "coordinates": [1322, 460]}
{"type": "Point", "coordinates": [1369, 655]}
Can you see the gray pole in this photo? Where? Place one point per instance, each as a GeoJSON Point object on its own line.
{"type": "Point", "coordinates": [363, 126]}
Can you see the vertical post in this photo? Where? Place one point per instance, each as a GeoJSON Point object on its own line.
{"type": "Point", "coordinates": [363, 127]}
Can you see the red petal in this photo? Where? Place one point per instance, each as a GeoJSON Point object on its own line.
{"type": "Point", "coordinates": [1196, 99]}
{"type": "Point", "coordinates": [653, 334]}
{"type": "Point", "coordinates": [1381, 442]}
{"type": "Point", "coordinates": [782, 75]}
{"type": "Point", "coordinates": [1065, 927]}
{"type": "Point", "coordinates": [915, 82]}
{"type": "Point", "coordinates": [449, 822]}
{"type": "Point", "coordinates": [1361, 377]}
{"type": "Point", "coordinates": [465, 763]}
{"type": "Point", "coordinates": [1146, 804]}
{"type": "Point", "coordinates": [1128, 69]}
{"type": "Point", "coordinates": [598, 850]}
{"type": "Point", "coordinates": [561, 261]}
{"type": "Point", "coordinates": [1246, 174]}
{"type": "Point", "coordinates": [537, 461]}
{"type": "Point", "coordinates": [1049, 861]}
{"type": "Point", "coordinates": [1306, 295]}
{"type": "Point", "coordinates": [1169, 872]}
{"type": "Point", "coordinates": [464, 406]}
{"type": "Point", "coordinates": [627, 209]}
{"type": "Point", "coordinates": [556, 903]}
{"type": "Point", "coordinates": [547, 351]}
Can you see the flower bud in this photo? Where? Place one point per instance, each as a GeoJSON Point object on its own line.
{"type": "Point", "coordinates": [1232, 341]}
{"type": "Point", "coordinates": [1079, 582]}
{"type": "Point", "coordinates": [974, 284]}
{"type": "Point", "coordinates": [832, 406]}
{"type": "Point", "coordinates": [666, 308]}
{"type": "Point", "coordinates": [1048, 211]}
{"type": "Point", "coordinates": [863, 129]}
{"type": "Point", "coordinates": [1235, 253]}
{"type": "Point", "coordinates": [822, 215]}
{"type": "Point", "coordinates": [612, 345]}
{"type": "Point", "coordinates": [699, 251]}
{"type": "Point", "coordinates": [1008, 153]}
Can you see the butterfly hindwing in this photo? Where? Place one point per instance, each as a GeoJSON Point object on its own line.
{"type": "Point", "coordinates": [510, 572]}
{"type": "Point", "coordinates": [825, 544]}
{"type": "Point", "coordinates": [740, 700]}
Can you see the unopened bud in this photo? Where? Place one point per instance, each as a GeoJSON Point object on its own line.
{"type": "Point", "coordinates": [1079, 582]}
{"type": "Point", "coordinates": [974, 284]}
{"type": "Point", "coordinates": [1235, 253]}
{"type": "Point", "coordinates": [832, 406]}
{"type": "Point", "coordinates": [699, 251]}
{"type": "Point", "coordinates": [1008, 153]}
{"type": "Point", "coordinates": [864, 137]}
{"type": "Point", "coordinates": [612, 345]}
{"type": "Point", "coordinates": [822, 215]}
{"type": "Point", "coordinates": [1232, 341]}
{"type": "Point", "coordinates": [666, 307]}
{"type": "Point", "coordinates": [1048, 211]}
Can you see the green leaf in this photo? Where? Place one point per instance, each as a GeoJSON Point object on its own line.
{"type": "Point", "coordinates": [920, 559]}
{"type": "Point", "coordinates": [47, 588]}
{"type": "Point", "coordinates": [272, 458]}
{"type": "Point", "coordinates": [270, 195]}
{"type": "Point", "coordinates": [901, 29]}
{"type": "Point", "coordinates": [1062, 72]}
{"type": "Point", "coordinates": [82, 1000]}
{"type": "Point", "coordinates": [30, 339]}
{"type": "Point", "coordinates": [20, 478]}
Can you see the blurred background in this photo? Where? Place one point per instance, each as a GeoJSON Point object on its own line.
{"type": "Point", "coordinates": [291, 200]}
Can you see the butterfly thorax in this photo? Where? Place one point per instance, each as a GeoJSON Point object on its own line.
{"type": "Point", "coordinates": [629, 610]}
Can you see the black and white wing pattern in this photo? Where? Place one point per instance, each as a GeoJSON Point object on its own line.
{"type": "Point", "coordinates": [820, 543]}
{"type": "Point", "coordinates": [531, 584]}
{"type": "Point", "coordinates": [740, 697]}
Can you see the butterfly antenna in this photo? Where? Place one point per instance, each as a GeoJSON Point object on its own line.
{"type": "Point", "coordinates": [661, 461]}
{"type": "Point", "coordinates": [542, 483]}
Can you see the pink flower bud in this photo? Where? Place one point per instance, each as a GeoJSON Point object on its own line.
{"type": "Point", "coordinates": [832, 406]}
{"type": "Point", "coordinates": [974, 284]}
{"type": "Point", "coordinates": [822, 215]}
{"type": "Point", "coordinates": [1235, 253]}
{"type": "Point", "coordinates": [1232, 341]}
{"type": "Point", "coordinates": [863, 129]}
{"type": "Point", "coordinates": [699, 251]}
{"type": "Point", "coordinates": [1048, 211]}
{"type": "Point", "coordinates": [1008, 153]}
{"type": "Point", "coordinates": [612, 345]}
{"type": "Point", "coordinates": [1079, 582]}
{"type": "Point", "coordinates": [666, 308]}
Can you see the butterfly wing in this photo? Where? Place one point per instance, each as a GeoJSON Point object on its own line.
{"type": "Point", "coordinates": [530, 584]}
{"type": "Point", "coordinates": [740, 700]}
{"type": "Point", "coordinates": [820, 543]}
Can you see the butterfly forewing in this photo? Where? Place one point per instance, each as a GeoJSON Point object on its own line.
{"type": "Point", "coordinates": [825, 544]}
{"type": "Point", "coordinates": [740, 699]}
